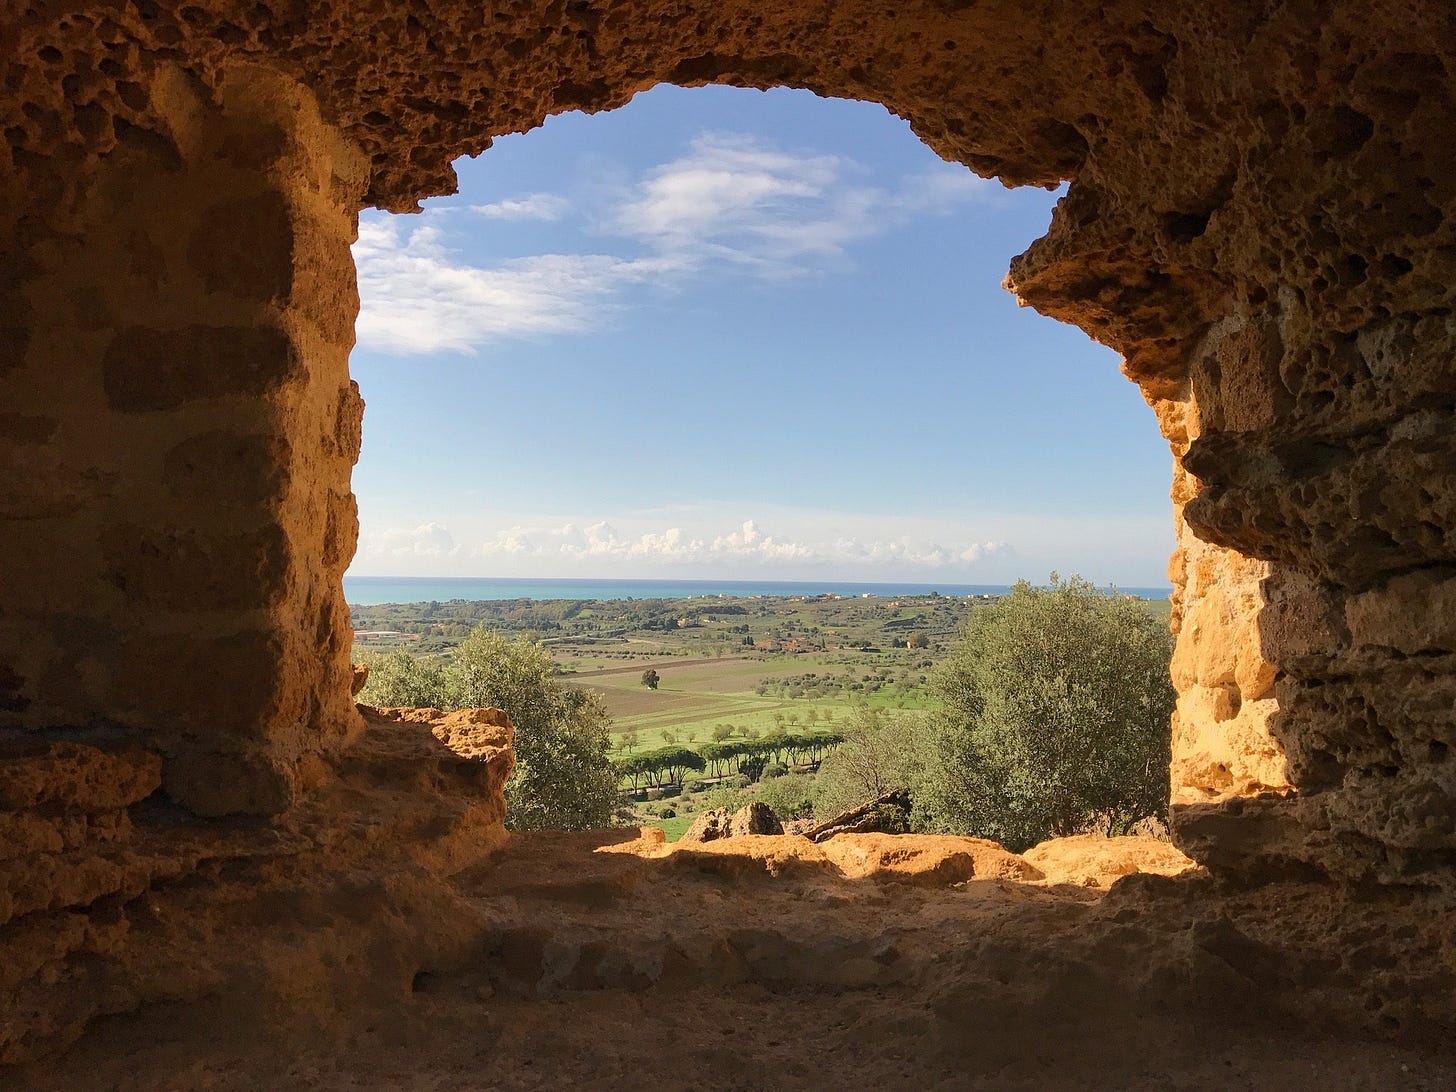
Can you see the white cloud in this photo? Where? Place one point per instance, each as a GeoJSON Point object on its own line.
{"type": "Point", "coordinates": [711, 539]}
{"type": "Point", "coordinates": [941, 190]}
{"type": "Point", "coordinates": [731, 202]}
{"type": "Point", "coordinates": [535, 206]}
{"type": "Point", "coordinates": [416, 297]}
{"type": "Point", "coordinates": [735, 198]}
{"type": "Point", "coordinates": [745, 544]}
{"type": "Point", "coordinates": [427, 542]}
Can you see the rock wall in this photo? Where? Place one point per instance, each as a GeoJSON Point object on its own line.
{"type": "Point", "coordinates": [110, 898]}
{"type": "Point", "coordinates": [178, 429]}
{"type": "Point", "coordinates": [1261, 219]}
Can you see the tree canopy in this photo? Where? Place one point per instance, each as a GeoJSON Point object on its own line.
{"type": "Point", "coordinates": [1054, 718]}
{"type": "Point", "coordinates": [880, 753]}
{"type": "Point", "coordinates": [563, 778]}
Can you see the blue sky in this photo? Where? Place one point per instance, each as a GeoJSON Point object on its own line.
{"type": "Point", "coordinates": [743, 335]}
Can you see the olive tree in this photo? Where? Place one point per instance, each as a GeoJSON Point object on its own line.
{"type": "Point", "coordinates": [879, 753]}
{"type": "Point", "coordinates": [564, 779]}
{"type": "Point", "coordinates": [1054, 718]}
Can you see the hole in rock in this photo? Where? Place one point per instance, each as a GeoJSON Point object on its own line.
{"type": "Point", "coordinates": [661, 370]}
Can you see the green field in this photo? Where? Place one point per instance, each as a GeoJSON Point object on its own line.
{"type": "Point", "coordinates": [693, 697]}
{"type": "Point", "coordinates": [717, 658]}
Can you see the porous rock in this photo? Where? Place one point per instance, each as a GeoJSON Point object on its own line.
{"type": "Point", "coordinates": [1260, 218]}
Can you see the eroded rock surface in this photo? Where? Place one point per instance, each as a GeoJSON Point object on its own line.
{"type": "Point", "coordinates": [1261, 218]}
{"type": "Point", "coordinates": [111, 897]}
{"type": "Point", "coordinates": [715, 823]}
{"type": "Point", "coordinates": [605, 959]}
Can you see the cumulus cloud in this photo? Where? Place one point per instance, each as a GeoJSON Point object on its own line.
{"type": "Point", "coordinates": [427, 542]}
{"type": "Point", "coordinates": [747, 543]}
{"type": "Point", "coordinates": [535, 206]}
{"type": "Point", "coordinates": [732, 202]}
{"type": "Point", "coordinates": [914, 552]}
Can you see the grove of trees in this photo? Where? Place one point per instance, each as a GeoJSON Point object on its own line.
{"type": "Point", "coordinates": [1052, 718]}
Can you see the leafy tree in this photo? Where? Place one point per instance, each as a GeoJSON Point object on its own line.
{"type": "Point", "coordinates": [398, 679]}
{"type": "Point", "coordinates": [715, 754]}
{"type": "Point", "coordinates": [791, 796]}
{"type": "Point", "coordinates": [666, 765]}
{"type": "Point", "coordinates": [1054, 719]}
{"type": "Point", "coordinates": [563, 778]}
{"type": "Point", "coordinates": [650, 679]}
{"type": "Point", "coordinates": [879, 754]}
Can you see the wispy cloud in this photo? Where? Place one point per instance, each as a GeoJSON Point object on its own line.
{"type": "Point", "coordinates": [417, 296]}
{"type": "Point", "coordinates": [736, 199]}
{"type": "Point", "coordinates": [731, 203]}
{"type": "Point", "coordinates": [535, 206]}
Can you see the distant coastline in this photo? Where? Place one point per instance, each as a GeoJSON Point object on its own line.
{"type": "Point", "coordinates": [373, 590]}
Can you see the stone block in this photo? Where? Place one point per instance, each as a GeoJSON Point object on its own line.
{"type": "Point", "coordinates": [148, 369]}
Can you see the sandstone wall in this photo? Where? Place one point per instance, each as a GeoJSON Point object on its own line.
{"type": "Point", "coordinates": [178, 428]}
{"type": "Point", "coordinates": [110, 899]}
{"type": "Point", "coordinates": [1259, 220]}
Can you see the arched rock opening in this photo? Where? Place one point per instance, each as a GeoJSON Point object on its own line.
{"type": "Point", "coordinates": [1259, 220]}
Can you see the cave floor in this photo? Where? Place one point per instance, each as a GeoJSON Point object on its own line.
{"type": "Point", "coordinates": [608, 962]}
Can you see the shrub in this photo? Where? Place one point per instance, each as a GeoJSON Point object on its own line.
{"type": "Point", "coordinates": [880, 754]}
{"type": "Point", "coordinates": [1055, 714]}
{"type": "Point", "coordinates": [563, 779]}
{"type": "Point", "coordinates": [774, 769]}
{"type": "Point", "coordinates": [790, 796]}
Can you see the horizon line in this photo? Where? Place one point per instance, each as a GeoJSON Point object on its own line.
{"type": "Point", "coordinates": [718, 580]}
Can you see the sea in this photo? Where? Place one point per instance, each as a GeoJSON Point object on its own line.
{"type": "Point", "coordinates": [367, 591]}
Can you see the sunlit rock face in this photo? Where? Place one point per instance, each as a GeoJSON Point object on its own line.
{"type": "Point", "coordinates": [1261, 219]}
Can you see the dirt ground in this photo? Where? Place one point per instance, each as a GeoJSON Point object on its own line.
{"type": "Point", "coordinates": [612, 962]}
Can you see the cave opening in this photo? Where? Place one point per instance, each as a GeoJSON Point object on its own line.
{"type": "Point", "coordinates": [746, 337]}
{"type": "Point", "coordinates": [1259, 218]}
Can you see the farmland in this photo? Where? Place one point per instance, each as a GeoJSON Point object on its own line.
{"type": "Point", "coordinates": [755, 665]}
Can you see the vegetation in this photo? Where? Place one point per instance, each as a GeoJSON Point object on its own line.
{"type": "Point", "coordinates": [664, 766]}
{"type": "Point", "coordinates": [880, 754]}
{"type": "Point", "coordinates": [564, 779]}
{"type": "Point", "coordinates": [1054, 718]}
{"type": "Point", "coordinates": [1047, 712]}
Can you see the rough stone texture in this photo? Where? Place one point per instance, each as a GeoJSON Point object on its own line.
{"type": "Point", "coordinates": [715, 823]}
{"type": "Point", "coordinates": [1090, 860]}
{"type": "Point", "coordinates": [110, 908]}
{"type": "Point", "coordinates": [601, 960]}
{"type": "Point", "coordinates": [186, 304]}
{"type": "Point", "coordinates": [1261, 219]}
